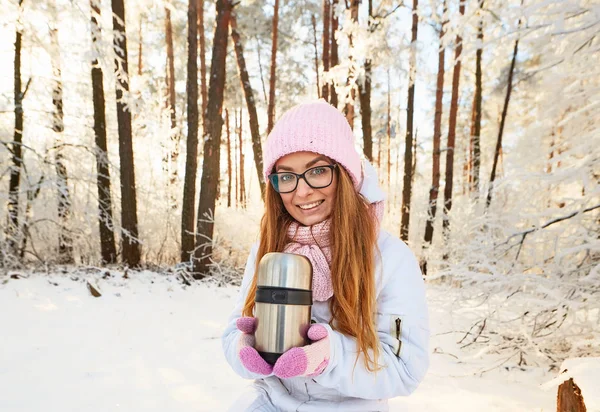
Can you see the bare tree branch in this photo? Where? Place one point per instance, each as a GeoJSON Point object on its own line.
{"type": "Point", "coordinates": [545, 225]}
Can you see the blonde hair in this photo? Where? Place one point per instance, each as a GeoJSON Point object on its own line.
{"type": "Point", "coordinates": [353, 245]}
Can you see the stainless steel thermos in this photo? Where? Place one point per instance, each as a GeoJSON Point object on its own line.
{"type": "Point", "coordinates": [283, 303]}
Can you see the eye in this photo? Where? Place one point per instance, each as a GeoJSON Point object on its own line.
{"type": "Point", "coordinates": [286, 177]}
{"type": "Point", "coordinates": [318, 171]}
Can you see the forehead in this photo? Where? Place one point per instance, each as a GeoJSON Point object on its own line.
{"type": "Point", "coordinates": [299, 160]}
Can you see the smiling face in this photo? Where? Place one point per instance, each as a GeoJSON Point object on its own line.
{"type": "Point", "coordinates": [306, 205]}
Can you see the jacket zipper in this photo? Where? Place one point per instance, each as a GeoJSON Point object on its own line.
{"type": "Point", "coordinates": [398, 333]}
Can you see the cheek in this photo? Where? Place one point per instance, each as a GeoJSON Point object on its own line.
{"type": "Point", "coordinates": [330, 191]}
{"type": "Point", "coordinates": [287, 201]}
{"type": "Point", "coordinates": [331, 201]}
{"type": "Point", "coordinates": [329, 194]}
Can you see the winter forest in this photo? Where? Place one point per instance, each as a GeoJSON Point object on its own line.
{"type": "Point", "coordinates": [131, 136]}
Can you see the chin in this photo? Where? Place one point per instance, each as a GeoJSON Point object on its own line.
{"type": "Point", "coordinates": [310, 221]}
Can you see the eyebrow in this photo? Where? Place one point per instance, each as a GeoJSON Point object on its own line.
{"type": "Point", "coordinates": [308, 165]}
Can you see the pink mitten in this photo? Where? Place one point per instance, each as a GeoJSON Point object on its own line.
{"type": "Point", "coordinates": [310, 360]}
{"type": "Point", "coordinates": [249, 357]}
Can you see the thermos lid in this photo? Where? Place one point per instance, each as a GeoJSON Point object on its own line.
{"type": "Point", "coordinates": [285, 270]}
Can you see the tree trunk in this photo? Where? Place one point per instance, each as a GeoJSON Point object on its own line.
{"type": "Point", "coordinates": [228, 158]}
{"type": "Point", "coordinates": [131, 245]}
{"type": "Point", "coordinates": [408, 155]}
{"type": "Point", "coordinates": [202, 52]}
{"type": "Point", "coordinates": [379, 146]}
{"type": "Point", "coordinates": [250, 102]}
{"type": "Point", "coordinates": [388, 129]}
{"type": "Point", "coordinates": [569, 398]}
{"type": "Point", "coordinates": [364, 92]}
{"type": "Point", "coordinates": [503, 120]}
{"type": "Point", "coordinates": [262, 78]}
{"type": "Point", "coordinates": [397, 171]}
{"type": "Point", "coordinates": [65, 243]}
{"type": "Point", "coordinates": [105, 218]}
{"type": "Point", "coordinates": [32, 194]}
{"type": "Point", "coordinates": [437, 133]}
{"type": "Point", "coordinates": [315, 42]}
{"type": "Point", "coordinates": [241, 158]}
{"type": "Point", "coordinates": [12, 229]}
{"type": "Point", "coordinates": [475, 145]}
{"type": "Point", "coordinates": [272, 78]}
{"type": "Point", "coordinates": [174, 137]}
{"type": "Point", "coordinates": [140, 47]}
{"type": "Point", "coordinates": [334, 59]}
{"type": "Point", "coordinates": [466, 173]}
{"type": "Point", "coordinates": [414, 164]}
{"type": "Point", "coordinates": [326, 40]}
{"type": "Point", "coordinates": [452, 129]}
{"type": "Point", "coordinates": [170, 69]}
{"type": "Point", "coordinates": [349, 108]}
{"type": "Point", "coordinates": [212, 143]}
{"type": "Point", "coordinates": [235, 160]}
{"type": "Point", "coordinates": [191, 159]}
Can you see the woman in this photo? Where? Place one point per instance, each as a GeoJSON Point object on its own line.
{"type": "Point", "coordinates": [369, 339]}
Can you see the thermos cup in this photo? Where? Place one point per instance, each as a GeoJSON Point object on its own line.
{"type": "Point", "coordinates": [283, 303]}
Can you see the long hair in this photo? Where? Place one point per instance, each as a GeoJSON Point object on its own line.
{"type": "Point", "coordinates": [353, 237]}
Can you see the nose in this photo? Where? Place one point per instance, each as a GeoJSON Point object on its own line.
{"type": "Point", "coordinates": [303, 188]}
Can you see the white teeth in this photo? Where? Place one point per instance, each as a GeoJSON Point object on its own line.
{"type": "Point", "coordinates": [310, 205]}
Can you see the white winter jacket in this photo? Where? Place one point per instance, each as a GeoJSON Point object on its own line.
{"type": "Point", "coordinates": [402, 326]}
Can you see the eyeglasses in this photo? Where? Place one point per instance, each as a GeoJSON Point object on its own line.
{"type": "Point", "coordinates": [317, 177]}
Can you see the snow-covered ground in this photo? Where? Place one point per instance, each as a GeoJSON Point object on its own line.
{"type": "Point", "coordinates": [150, 343]}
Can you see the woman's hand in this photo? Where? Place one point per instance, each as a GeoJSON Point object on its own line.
{"type": "Point", "coordinates": [310, 360]}
{"type": "Point", "coordinates": [249, 357]}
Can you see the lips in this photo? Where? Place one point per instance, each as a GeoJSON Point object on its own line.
{"type": "Point", "coordinates": [312, 205]}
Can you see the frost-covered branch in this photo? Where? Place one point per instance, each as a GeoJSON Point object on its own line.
{"type": "Point", "coordinates": [524, 233]}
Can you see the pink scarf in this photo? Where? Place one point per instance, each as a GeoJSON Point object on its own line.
{"type": "Point", "coordinates": [314, 243]}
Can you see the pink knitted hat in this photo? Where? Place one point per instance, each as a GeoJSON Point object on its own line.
{"type": "Point", "coordinates": [313, 127]}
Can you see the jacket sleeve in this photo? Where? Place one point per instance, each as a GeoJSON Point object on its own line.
{"type": "Point", "coordinates": [403, 330]}
{"type": "Point", "coordinates": [231, 335]}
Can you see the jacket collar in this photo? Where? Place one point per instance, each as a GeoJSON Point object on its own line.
{"type": "Point", "coordinates": [370, 184]}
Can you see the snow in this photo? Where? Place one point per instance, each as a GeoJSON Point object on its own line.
{"type": "Point", "coordinates": [150, 343]}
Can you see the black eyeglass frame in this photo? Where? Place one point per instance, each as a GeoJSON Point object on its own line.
{"type": "Point", "coordinates": [302, 176]}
